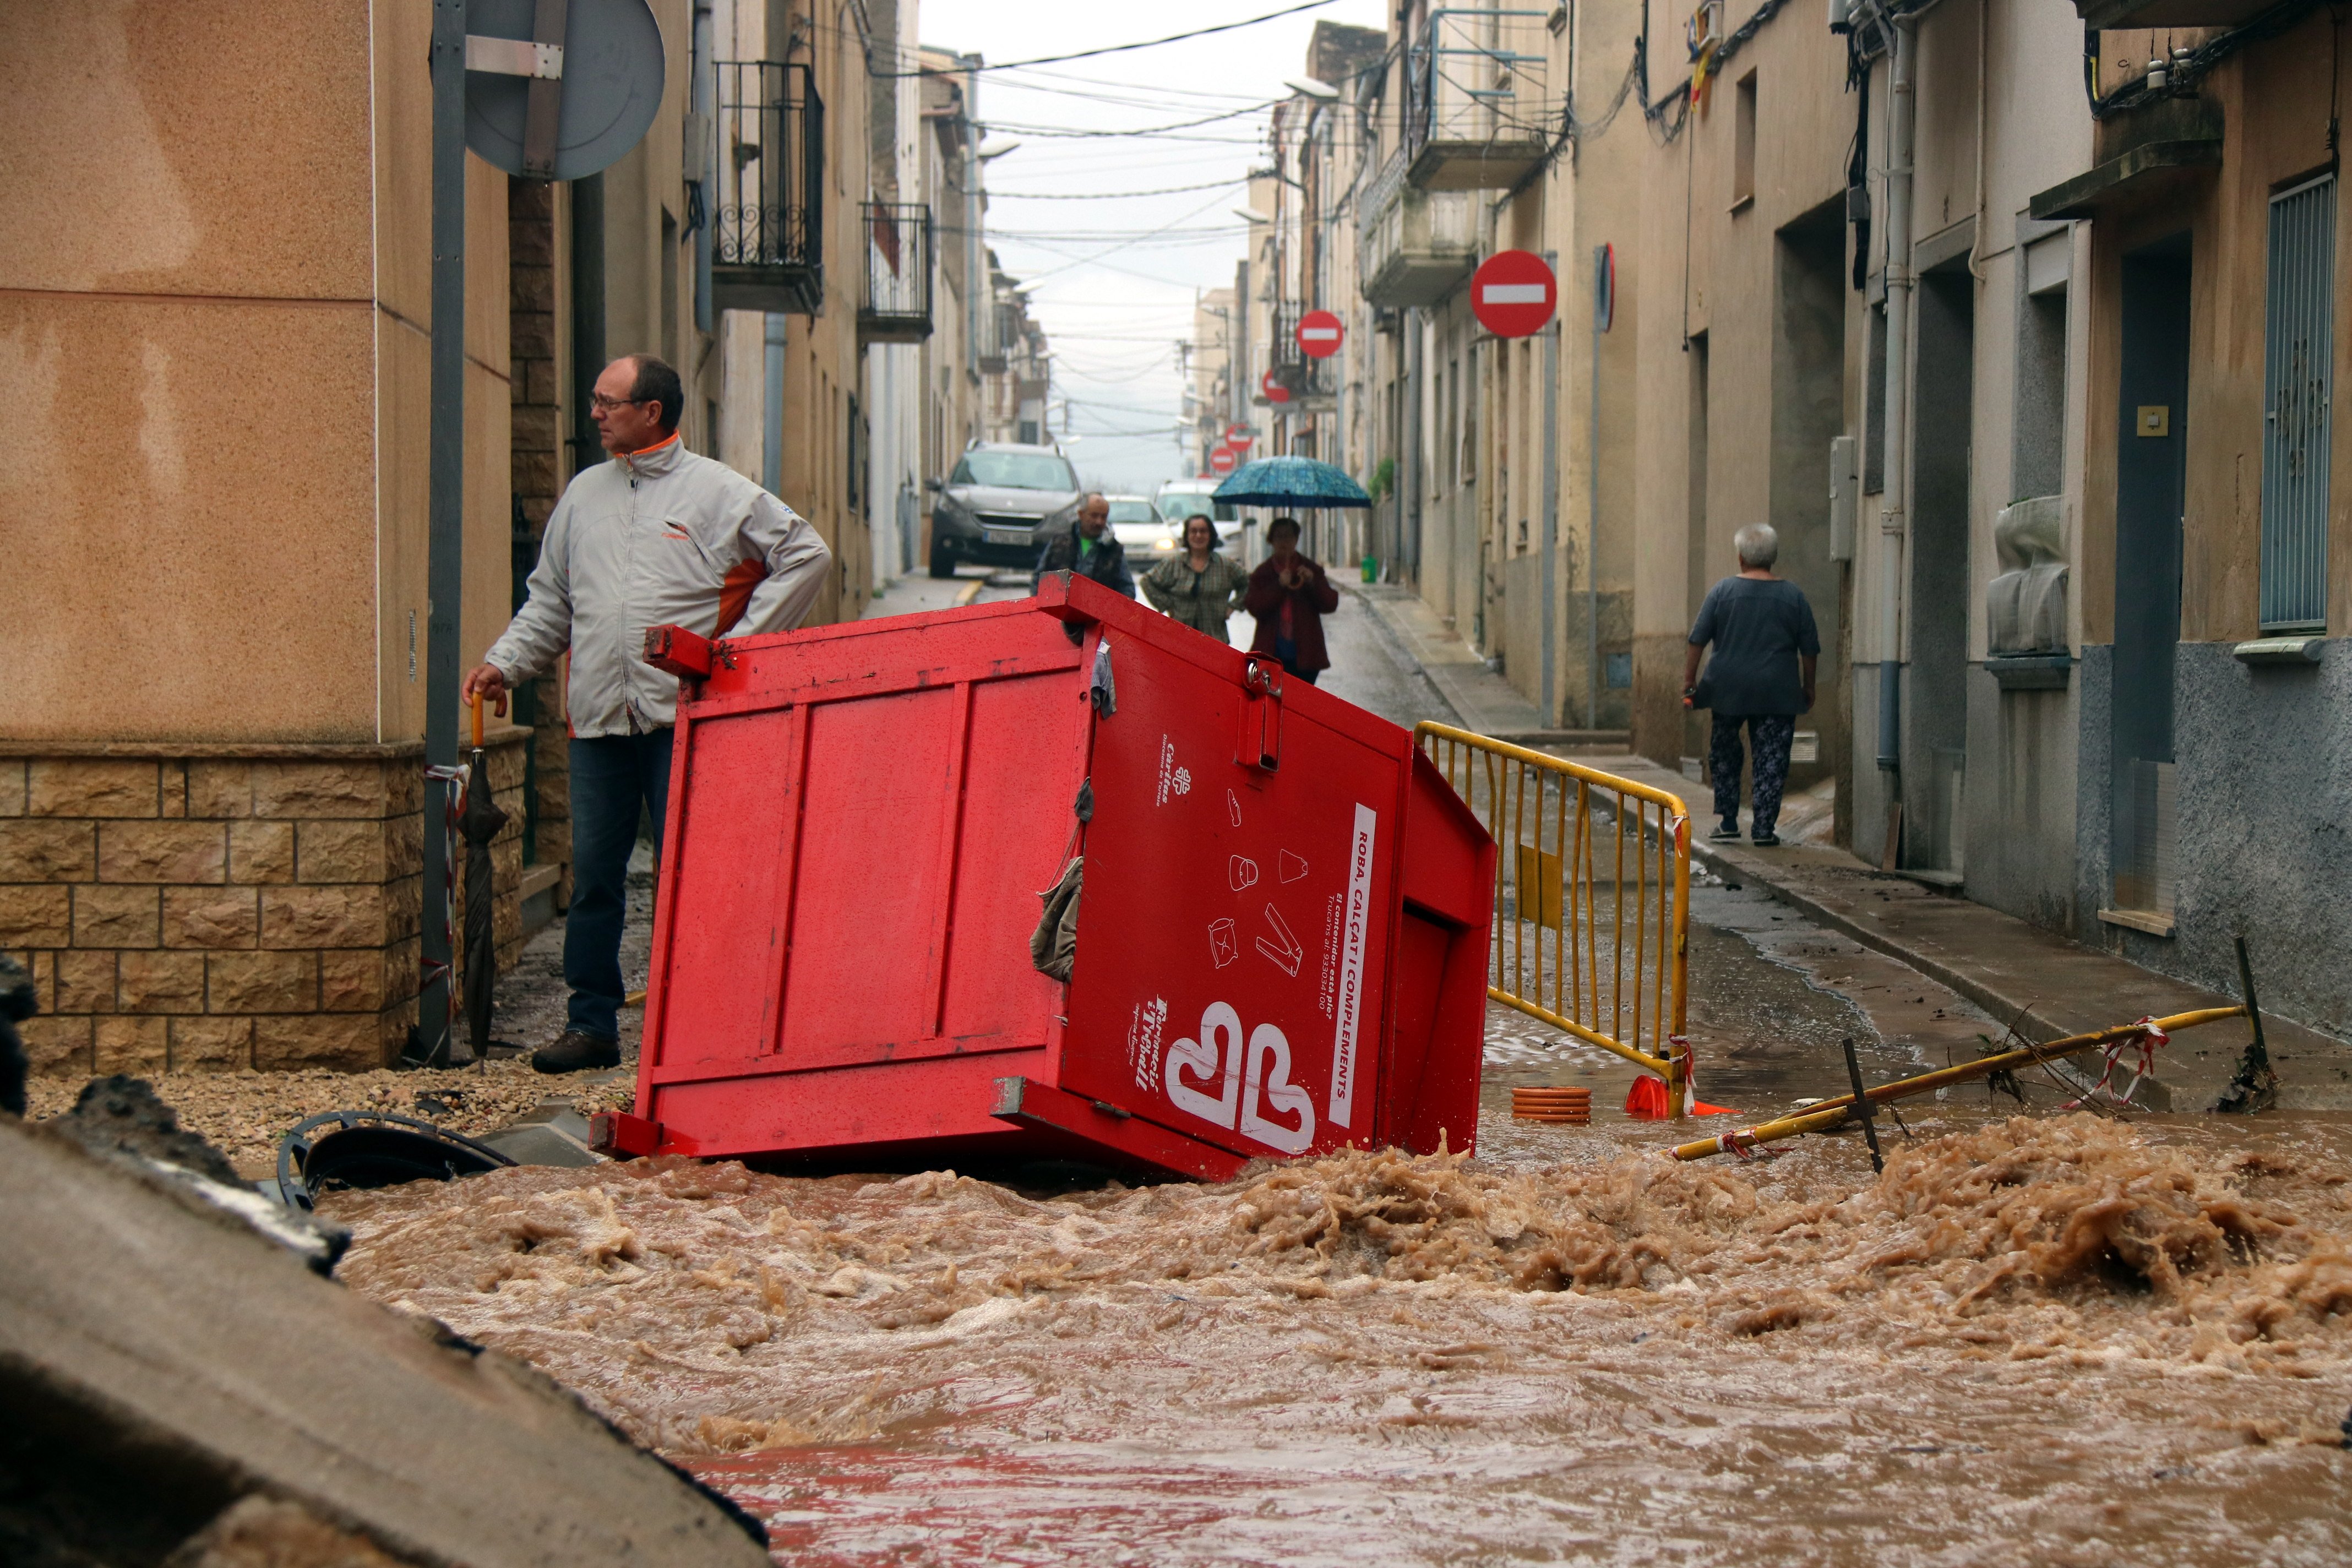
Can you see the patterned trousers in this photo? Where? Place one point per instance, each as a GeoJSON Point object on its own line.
{"type": "Point", "coordinates": [1768, 735]}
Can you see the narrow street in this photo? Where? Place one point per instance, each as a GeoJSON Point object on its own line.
{"type": "Point", "coordinates": [1562, 1347]}
{"type": "Point", "coordinates": [1095, 1099]}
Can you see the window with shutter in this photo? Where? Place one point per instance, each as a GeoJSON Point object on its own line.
{"type": "Point", "coordinates": [2298, 379]}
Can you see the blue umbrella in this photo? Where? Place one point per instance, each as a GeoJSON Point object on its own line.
{"type": "Point", "coordinates": [1294, 482]}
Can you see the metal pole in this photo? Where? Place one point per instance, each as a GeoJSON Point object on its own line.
{"type": "Point", "coordinates": [1409, 521]}
{"type": "Point", "coordinates": [1551, 519]}
{"type": "Point", "coordinates": [445, 571]}
{"type": "Point", "coordinates": [1604, 310]}
{"type": "Point", "coordinates": [1900, 113]}
{"type": "Point", "coordinates": [587, 316]}
{"type": "Point", "coordinates": [703, 93]}
{"type": "Point", "coordinates": [1339, 453]}
{"type": "Point", "coordinates": [772, 417]}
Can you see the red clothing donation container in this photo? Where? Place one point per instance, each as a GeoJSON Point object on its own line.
{"type": "Point", "coordinates": [1281, 940]}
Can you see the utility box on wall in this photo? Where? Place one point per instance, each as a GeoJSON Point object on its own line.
{"type": "Point", "coordinates": [1281, 924]}
{"type": "Point", "coordinates": [1845, 495]}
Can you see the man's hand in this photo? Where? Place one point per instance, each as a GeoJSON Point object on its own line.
{"type": "Point", "coordinates": [489, 682]}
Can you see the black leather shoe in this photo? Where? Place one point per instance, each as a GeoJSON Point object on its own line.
{"type": "Point", "coordinates": [575, 1052]}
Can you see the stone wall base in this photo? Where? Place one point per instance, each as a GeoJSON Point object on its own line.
{"type": "Point", "coordinates": [214, 908]}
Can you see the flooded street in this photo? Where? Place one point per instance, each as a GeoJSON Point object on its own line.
{"type": "Point", "coordinates": [2121, 1344]}
{"type": "Point", "coordinates": [2062, 1338]}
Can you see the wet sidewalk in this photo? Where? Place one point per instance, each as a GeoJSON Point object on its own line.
{"type": "Point", "coordinates": [2042, 983]}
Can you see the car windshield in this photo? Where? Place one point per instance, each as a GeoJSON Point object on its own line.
{"type": "Point", "coordinates": [1180, 505]}
{"type": "Point", "coordinates": [1015, 471]}
{"type": "Point", "coordinates": [1132, 512]}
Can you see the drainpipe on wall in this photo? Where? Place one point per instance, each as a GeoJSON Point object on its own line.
{"type": "Point", "coordinates": [1240, 358]}
{"type": "Point", "coordinates": [1902, 101]}
{"type": "Point", "coordinates": [771, 421]}
{"type": "Point", "coordinates": [587, 316]}
{"type": "Point", "coordinates": [700, 159]}
{"type": "Point", "coordinates": [1409, 511]}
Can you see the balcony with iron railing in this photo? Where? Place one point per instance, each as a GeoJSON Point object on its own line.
{"type": "Point", "coordinates": [1413, 246]}
{"type": "Point", "coordinates": [768, 220]}
{"type": "Point", "coordinates": [896, 307]}
{"type": "Point", "coordinates": [1477, 98]}
{"type": "Point", "coordinates": [1309, 382]}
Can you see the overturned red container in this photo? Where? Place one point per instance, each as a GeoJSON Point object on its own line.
{"type": "Point", "coordinates": [1281, 912]}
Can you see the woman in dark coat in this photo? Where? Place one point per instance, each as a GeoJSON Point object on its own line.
{"type": "Point", "coordinates": [1289, 596]}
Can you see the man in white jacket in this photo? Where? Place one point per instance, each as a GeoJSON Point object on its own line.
{"type": "Point", "coordinates": [658, 536]}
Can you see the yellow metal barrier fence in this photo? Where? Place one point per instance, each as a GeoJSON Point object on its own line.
{"type": "Point", "coordinates": [1587, 938]}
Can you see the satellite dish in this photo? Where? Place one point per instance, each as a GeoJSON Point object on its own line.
{"type": "Point", "coordinates": [611, 81]}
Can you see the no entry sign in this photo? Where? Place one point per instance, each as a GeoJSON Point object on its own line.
{"type": "Point", "coordinates": [1239, 437]}
{"type": "Point", "coordinates": [1318, 335]}
{"type": "Point", "coordinates": [1274, 390]}
{"type": "Point", "coordinates": [1221, 460]}
{"type": "Point", "coordinates": [1512, 293]}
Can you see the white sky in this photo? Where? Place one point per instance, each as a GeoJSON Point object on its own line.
{"type": "Point", "coordinates": [1115, 305]}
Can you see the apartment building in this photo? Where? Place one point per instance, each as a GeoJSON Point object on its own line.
{"type": "Point", "coordinates": [214, 290]}
{"type": "Point", "coordinates": [1939, 290]}
{"type": "Point", "coordinates": [1212, 401]}
{"type": "Point", "coordinates": [1943, 294]}
{"type": "Point", "coordinates": [1298, 262]}
{"type": "Point", "coordinates": [2210, 560]}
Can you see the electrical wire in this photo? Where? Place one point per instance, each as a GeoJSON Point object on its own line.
{"type": "Point", "coordinates": [1154, 96]}
{"type": "Point", "coordinates": [995, 195]}
{"type": "Point", "coordinates": [1116, 48]}
{"type": "Point", "coordinates": [1076, 132]}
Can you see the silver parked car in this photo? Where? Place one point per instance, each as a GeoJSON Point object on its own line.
{"type": "Point", "coordinates": [999, 505]}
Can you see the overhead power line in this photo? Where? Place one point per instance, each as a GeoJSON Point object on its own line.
{"type": "Point", "coordinates": [1120, 48]}
{"type": "Point", "coordinates": [1075, 131]}
{"type": "Point", "coordinates": [997, 195]}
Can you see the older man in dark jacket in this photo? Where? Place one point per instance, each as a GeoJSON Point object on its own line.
{"type": "Point", "coordinates": [1091, 550]}
{"type": "Point", "coordinates": [1765, 649]}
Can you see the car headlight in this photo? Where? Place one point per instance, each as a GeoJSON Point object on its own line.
{"type": "Point", "coordinates": [1165, 543]}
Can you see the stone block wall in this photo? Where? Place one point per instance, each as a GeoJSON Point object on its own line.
{"type": "Point", "coordinates": [254, 907]}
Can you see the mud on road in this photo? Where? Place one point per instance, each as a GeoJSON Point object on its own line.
{"type": "Point", "coordinates": [2083, 1341]}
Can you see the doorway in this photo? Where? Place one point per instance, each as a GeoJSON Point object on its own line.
{"type": "Point", "coordinates": [1808, 413]}
{"type": "Point", "coordinates": [2151, 462]}
{"type": "Point", "coordinates": [1935, 699]}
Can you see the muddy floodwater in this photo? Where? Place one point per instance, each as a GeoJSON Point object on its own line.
{"type": "Point", "coordinates": [2054, 1340]}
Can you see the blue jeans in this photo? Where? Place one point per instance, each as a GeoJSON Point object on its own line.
{"type": "Point", "coordinates": [614, 778]}
{"type": "Point", "coordinates": [1768, 738]}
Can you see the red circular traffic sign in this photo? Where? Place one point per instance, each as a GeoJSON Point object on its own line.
{"type": "Point", "coordinates": [1513, 293]}
{"type": "Point", "coordinates": [1274, 390]}
{"type": "Point", "coordinates": [1221, 460]}
{"type": "Point", "coordinates": [1318, 335]}
{"type": "Point", "coordinates": [1239, 435]}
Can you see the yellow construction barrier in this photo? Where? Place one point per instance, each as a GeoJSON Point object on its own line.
{"type": "Point", "coordinates": [1575, 848]}
{"type": "Point", "coordinates": [1832, 1113]}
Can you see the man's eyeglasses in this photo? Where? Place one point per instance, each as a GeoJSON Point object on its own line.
{"type": "Point", "coordinates": [609, 404]}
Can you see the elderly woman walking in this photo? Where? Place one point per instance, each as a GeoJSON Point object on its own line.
{"type": "Point", "coordinates": [1199, 587]}
{"type": "Point", "coordinates": [1765, 649]}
